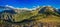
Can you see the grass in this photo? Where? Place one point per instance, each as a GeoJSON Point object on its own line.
{"type": "Point", "coordinates": [50, 19]}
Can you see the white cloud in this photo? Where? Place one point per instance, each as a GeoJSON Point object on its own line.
{"type": "Point", "coordinates": [43, 5]}
{"type": "Point", "coordinates": [24, 8]}
{"type": "Point", "coordinates": [46, 5]}
{"type": "Point", "coordinates": [34, 7]}
{"type": "Point", "coordinates": [9, 6]}
{"type": "Point", "coordinates": [56, 8]}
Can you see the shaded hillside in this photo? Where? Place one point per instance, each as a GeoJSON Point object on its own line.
{"type": "Point", "coordinates": [14, 15]}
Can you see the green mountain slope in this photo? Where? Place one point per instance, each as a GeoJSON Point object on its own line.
{"type": "Point", "coordinates": [35, 18]}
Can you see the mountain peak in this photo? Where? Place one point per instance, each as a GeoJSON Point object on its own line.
{"type": "Point", "coordinates": [48, 10]}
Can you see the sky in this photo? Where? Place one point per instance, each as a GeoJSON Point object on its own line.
{"type": "Point", "coordinates": [30, 3]}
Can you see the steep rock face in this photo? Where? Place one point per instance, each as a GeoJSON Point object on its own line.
{"type": "Point", "coordinates": [6, 13]}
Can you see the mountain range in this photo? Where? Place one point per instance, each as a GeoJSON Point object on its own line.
{"type": "Point", "coordinates": [42, 14]}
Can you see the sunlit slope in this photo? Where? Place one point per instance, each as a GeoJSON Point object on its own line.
{"type": "Point", "coordinates": [46, 14]}
{"type": "Point", "coordinates": [50, 19]}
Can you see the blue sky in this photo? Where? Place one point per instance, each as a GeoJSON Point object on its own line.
{"type": "Point", "coordinates": [30, 3]}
